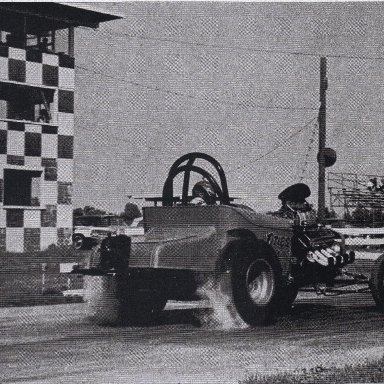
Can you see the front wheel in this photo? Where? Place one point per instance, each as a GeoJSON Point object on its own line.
{"type": "Point", "coordinates": [377, 283]}
{"type": "Point", "coordinates": [256, 282]}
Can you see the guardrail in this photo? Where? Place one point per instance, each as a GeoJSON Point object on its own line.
{"type": "Point", "coordinates": [368, 243]}
{"type": "Point", "coordinates": [362, 237]}
{"type": "Point", "coordinates": [359, 231]}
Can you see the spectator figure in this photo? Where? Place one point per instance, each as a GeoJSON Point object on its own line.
{"type": "Point", "coordinates": [43, 45]}
{"type": "Point", "coordinates": [372, 184]}
{"type": "Point", "coordinates": [380, 187]}
{"type": "Point", "coordinates": [44, 116]}
{"type": "Point", "coordinates": [15, 40]}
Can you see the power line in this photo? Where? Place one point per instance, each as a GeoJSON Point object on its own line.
{"type": "Point", "coordinates": [176, 93]}
{"type": "Point", "coordinates": [169, 92]}
{"type": "Point", "coordinates": [309, 149]}
{"type": "Point", "coordinates": [276, 147]}
{"type": "Point", "coordinates": [288, 139]}
{"type": "Point", "coordinates": [229, 171]}
{"type": "Point", "coordinates": [273, 149]}
{"type": "Point", "coordinates": [240, 48]}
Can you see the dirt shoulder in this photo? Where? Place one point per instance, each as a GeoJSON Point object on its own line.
{"type": "Point", "coordinates": [369, 372]}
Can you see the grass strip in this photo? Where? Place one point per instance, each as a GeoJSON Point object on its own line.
{"type": "Point", "coordinates": [24, 281]}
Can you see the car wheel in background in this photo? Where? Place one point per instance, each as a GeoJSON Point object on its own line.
{"type": "Point", "coordinates": [78, 242]}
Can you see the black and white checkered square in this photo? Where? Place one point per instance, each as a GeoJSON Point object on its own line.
{"type": "Point", "coordinates": [41, 147]}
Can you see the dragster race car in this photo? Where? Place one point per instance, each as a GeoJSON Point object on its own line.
{"type": "Point", "coordinates": [264, 258]}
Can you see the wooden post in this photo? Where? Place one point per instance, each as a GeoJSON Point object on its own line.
{"type": "Point", "coordinates": [322, 137]}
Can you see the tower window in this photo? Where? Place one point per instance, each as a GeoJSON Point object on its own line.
{"type": "Point", "coordinates": [22, 188]}
{"type": "Point", "coordinates": [26, 102]}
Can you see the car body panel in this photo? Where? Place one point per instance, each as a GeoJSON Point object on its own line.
{"type": "Point", "coordinates": [183, 248]}
{"type": "Point", "coordinates": [195, 237]}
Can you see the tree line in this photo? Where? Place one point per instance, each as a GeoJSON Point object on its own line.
{"type": "Point", "coordinates": [360, 216]}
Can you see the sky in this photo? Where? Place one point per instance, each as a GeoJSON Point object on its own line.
{"type": "Point", "coordinates": [239, 81]}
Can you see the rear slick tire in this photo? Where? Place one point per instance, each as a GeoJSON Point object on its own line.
{"type": "Point", "coordinates": [377, 283]}
{"type": "Point", "coordinates": [256, 282]}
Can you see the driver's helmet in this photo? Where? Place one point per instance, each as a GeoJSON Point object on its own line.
{"type": "Point", "coordinates": [203, 190]}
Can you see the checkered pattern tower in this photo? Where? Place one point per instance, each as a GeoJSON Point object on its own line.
{"type": "Point", "coordinates": [37, 86]}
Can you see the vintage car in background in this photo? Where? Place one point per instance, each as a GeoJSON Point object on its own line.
{"type": "Point", "coordinates": [90, 229]}
{"type": "Point", "coordinates": [260, 260]}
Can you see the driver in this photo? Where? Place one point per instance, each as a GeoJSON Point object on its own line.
{"type": "Point", "coordinates": [203, 193]}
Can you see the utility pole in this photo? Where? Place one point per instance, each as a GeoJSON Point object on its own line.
{"type": "Point", "coordinates": [322, 137]}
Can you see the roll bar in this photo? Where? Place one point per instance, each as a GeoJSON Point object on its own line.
{"type": "Point", "coordinates": [177, 168]}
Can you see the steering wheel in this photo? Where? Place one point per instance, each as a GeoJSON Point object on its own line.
{"type": "Point", "coordinates": [178, 167]}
